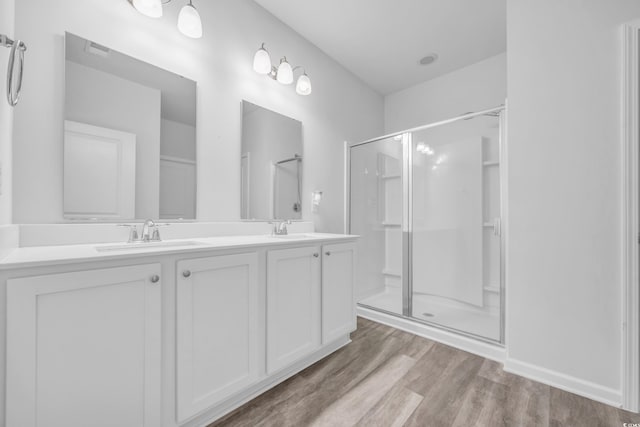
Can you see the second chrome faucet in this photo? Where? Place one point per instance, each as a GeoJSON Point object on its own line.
{"type": "Point", "coordinates": [280, 228]}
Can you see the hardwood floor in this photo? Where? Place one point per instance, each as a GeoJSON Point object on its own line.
{"type": "Point", "coordinates": [387, 377]}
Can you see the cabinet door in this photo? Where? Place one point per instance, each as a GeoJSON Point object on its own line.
{"type": "Point", "coordinates": [338, 304]}
{"type": "Point", "coordinates": [83, 349]}
{"type": "Point", "coordinates": [293, 305]}
{"type": "Point", "coordinates": [217, 329]}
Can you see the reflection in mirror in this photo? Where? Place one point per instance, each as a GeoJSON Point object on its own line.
{"type": "Point", "coordinates": [130, 137]}
{"type": "Point", "coordinates": [271, 164]}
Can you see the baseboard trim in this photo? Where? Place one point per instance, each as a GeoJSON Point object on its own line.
{"type": "Point", "coordinates": [264, 385]}
{"type": "Point", "coordinates": [565, 382]}
{"type": "Point", "coordinates": [486, 350]}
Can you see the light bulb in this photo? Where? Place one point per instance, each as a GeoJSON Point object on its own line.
{"type": "Point", "coordinates": [189, 22]}
{"type": "Point", "coordinates": [303, 87]}
{"type": "Point", "coordinates": [285, 72]}
{"type": "Point", "coordinates": [262, 61]}
{"type": "Point", "coordinates": [150, 8]}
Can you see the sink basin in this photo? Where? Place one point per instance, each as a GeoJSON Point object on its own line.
{"type": "Point", "coordinates": [291, 236]}
{"type": "Point", "coordinates": [147, 245]}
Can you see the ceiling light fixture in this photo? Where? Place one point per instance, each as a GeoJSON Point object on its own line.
{"type": "Point", "coordinates": [189, 22]}
{"type": "Point", "coordinates": [283, 73]}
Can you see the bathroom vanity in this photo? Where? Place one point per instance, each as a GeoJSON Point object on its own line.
{"type": "Point", "coordinates": [176, 333]}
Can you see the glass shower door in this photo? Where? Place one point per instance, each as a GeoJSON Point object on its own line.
{"type": "Point", "coordinates": [455, 227]}
{"type": "Point", "coordinates": [375, 214]}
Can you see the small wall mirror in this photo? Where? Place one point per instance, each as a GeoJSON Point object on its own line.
{"type": "Point", "coordinates": [130, 137]}
{"type": "Point", "coordinates": [271, 164]}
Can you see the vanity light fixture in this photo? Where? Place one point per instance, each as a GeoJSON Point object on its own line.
{"type": "Point", "coordinates": [262, 61]}
{"type": "Point", "coordinates": [189, 22]}
{"type": "Point", "coordinates": [150, 8]}
{"type": "Point", "coordinates": [303, 86]}
{"type": "Point", "coordinates": [283, 73]}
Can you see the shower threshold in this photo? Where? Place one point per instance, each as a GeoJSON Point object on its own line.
{"type": "Point", "coordinates": [476, 323]}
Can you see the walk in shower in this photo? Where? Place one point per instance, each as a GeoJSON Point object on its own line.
{"type": "Point", "coordinates": [427, 204]}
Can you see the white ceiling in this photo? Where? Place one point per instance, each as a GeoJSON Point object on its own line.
{"type": "Point", "coordinates": [381, 41]}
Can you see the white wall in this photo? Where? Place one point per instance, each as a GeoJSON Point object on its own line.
{"type": "Point", "coordinates": [340, 108]}
{"type": "Point", "coordinates": [477, 87]}
{"type": "Point", "coordinates": [6, 116]}
{"type": "Point", "coordinates": [102, 99]}
{"type": "Point", "coordinates": [564, 157]}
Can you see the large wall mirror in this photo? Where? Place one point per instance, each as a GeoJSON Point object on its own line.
{"type": "Point", "coordinates": [129, 137]}
{"type": "Point", "coordinates": [271, 165]}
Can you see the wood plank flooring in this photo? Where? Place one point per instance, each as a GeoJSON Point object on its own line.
{"type": "Point", "coordinates": [387, 377]}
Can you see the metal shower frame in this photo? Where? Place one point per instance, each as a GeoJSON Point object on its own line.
{"type": "Point", "coordinates": [405, 138]}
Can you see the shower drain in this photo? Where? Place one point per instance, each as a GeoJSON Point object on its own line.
{"type": "Point", "coordinates": [428, 314]}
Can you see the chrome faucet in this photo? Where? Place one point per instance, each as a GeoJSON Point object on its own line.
{"type": "Point", "coordinates": [280, 228]}
{"type": "Point", "coordinates": [150, 232]}
{"type": "Point", "coordinates": [146, 230]}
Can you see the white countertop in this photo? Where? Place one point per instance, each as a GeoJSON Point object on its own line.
{"type": "Point", "coordinates": [37, 256]}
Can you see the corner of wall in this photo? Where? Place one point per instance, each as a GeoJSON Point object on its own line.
{"type": "Point", "coordinates": [7, 18]}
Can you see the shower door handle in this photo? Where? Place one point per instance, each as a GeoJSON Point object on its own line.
{"type": "Point", "coordinates": [497, 227]}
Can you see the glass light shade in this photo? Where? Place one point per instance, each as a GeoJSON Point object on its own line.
{"type": "Point", "coordinates": [150, 8]}
{"type": "Point", "coordinates": [262, 61]}
{"type": "Point", "coordinates": [189, 22]}
{"type": "Point", "coordinates": [285, 72]}
{"type": "Point", "coordinates": [303, 87]}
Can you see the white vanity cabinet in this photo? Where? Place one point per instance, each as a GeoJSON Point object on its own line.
{"type": "Point", "coordinates": [310, 300]}
{"type": "Point", "coordinates": [218, 329]}
{"type": "Point", "coordinates": [293, 305]}
{"type": "Point", "coordinates": [83, 348]}
{"type": "Point", "coordinates": [338, 303]}
{"type": "Point", "coordinates": [174, 338]}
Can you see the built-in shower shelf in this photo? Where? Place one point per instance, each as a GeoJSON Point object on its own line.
{"type": "Point", "coordinates": [391, 273]}
{"type": "Point", "coordinates": [492, 289]}
{"type": "Point", "coordinates": [390, 176]}
{"type": "Point", "coordinates": [488, 224]}
{"type": "Point", "coordinates": [491, 163]}
{"type": "Point", "coordinates": [391, 224]}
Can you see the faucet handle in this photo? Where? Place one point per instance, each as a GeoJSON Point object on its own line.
{"type": "Point", "coordinates": [156, 232]}
{"type": "Point", "coordinates": [133, 232]}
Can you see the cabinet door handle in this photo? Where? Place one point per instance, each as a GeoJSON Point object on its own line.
{"type": "Point", "coordinates": [186, 273]}
{"type": "Point", "coordinates": [155, 278]}
{"type": "Point", "coordinates": [328, 253]}
{"type": "Point", "coordinates": [316, 255]}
